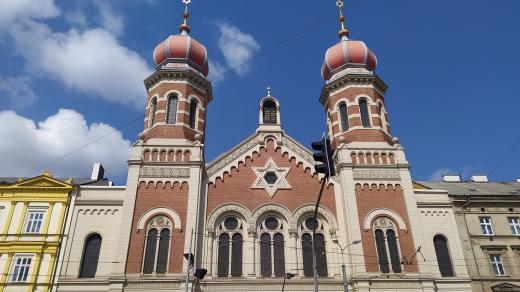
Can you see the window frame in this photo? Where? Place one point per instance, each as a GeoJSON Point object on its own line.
{"type": "Point", "coordinates": [153, 109]}
{"type": "Point", "coordinates": [484, 226]}
{"type": "Point", "coordinates": [343, 117]}
{"type": "Point", "coordinates": [159, 226]}
{"type": "Point", "coordinates": [306, 240]}
{"type": "Point", "coordinates": [447, 251]}
{"type": "Point", "coordinates": [229, 261]}
{"type": "Point", "coordinates": [515, 226]}
{"type": "Point", "coordinates": [28, 220]}
{"type": "Point", "coordinates": [83, 253]}
{"type": "Point", "coordinates": [271, 261]}
{"type": "Point", "coordinates": [368, 116]}
{"type": "Point", "coordinates": [12, 274]}
{"type": "Point", "coordinates": [170, 97]}
{"type": "Point", "coordinates": [496, 264]}
{"type": "Point", "coordinates": [385, 224]}
{"type": "Point", "coordinates": [269, 121]}
{"type": "Point", "coordinates": [193, 116]}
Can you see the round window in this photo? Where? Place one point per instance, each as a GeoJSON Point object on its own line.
{"type": "Point", "coordinates": [271, 223]}
{"type": "Point", "coordinates": [310, 223]}
{"type": "Point", "coordinates": [231, 223]}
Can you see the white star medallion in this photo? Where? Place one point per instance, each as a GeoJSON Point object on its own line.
{"type": "Point", "coordinates": [271, 178]}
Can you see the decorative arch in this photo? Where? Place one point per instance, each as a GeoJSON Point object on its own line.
{"type": "Point", "coordinates": [193, 96]}
{"type": "Point", "coordinates": [158, 211]}
{"type": "Point", "coordinates": [302, 210]}
{"type": "Point", "coordinates": [276, 109]}
{"type": "Point", "coordinates": [225, 209]}
{"type": "Point", "coordinates": [173, 91]}
{"type": "Point", "coordinates": [272, 208]}
{"type": "Point", "coordinates": [373, 214]}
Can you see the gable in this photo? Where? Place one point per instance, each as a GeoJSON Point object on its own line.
{"type": "Point", "coordinates": [223, 164]}
{"type": "Point", "coordinates": [44, 181]}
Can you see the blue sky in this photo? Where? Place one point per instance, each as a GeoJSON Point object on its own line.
{"type": "Point", "coordinates": [72, 72]}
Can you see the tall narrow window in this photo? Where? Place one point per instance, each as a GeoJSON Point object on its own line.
{"type": "Point", "coordinates": [485, 224]}
{"type": "Point", "coordinates": [269, 112]}
{"type": "Point", "coordinates": [321, 255]}
{"type": "Point", "coordinates": [171, 116]}
{"type": "Point", "coordinates": [343, 116]}
{"type": "Point", "coordinates": [230, 250]}
{"type": "Point", "coordinates": [162, 254]}
{"type": "Point", "coordinates": [20, 268]}
{"type": "Point", "coordinates": [381, 251]}
{"type": "Point", "coordinates": [363, 110]}
{"type": "Point", "coordinates": [393, 250]}
{"type": "Point", "coordinates": [497, 265]}
{"type": "Point", "coordinates": [443, 256]}
{"type": "Point", "coordinates": [382, 117]}
{"type": "Point", "coordinates": [149, 256]}
{"type": "Point", "coordinates": [307, 255]}
{"type": "Point", "coordinates": [193, 113]}
{"type": "Point", "coordinates": [34, 221]}
{"type": "Point", "coordinates": [223, 255]}
{"type": "Point", "coordinates": [236, 255]}
{"type": "Point", "coordinates": [157, 245]}
{"type": "Point", "coordinates": [151, 117]}
{"type": "Point", "coordinates": [89, 261]}
{"type": "Point", "coordinates": [321, 251]}
{"type": "Point", "coordinates": [272, 253]}
{"type": "Point", "coordinates": [515, 225]}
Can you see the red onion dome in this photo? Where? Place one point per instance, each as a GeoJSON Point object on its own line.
{"type": "Point", "coordinates": [182, 49]}
{"type": "Point", "coordinates": [347, 54]}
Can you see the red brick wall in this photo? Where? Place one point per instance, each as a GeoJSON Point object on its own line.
{"type": "Point", "coordinates": [149, 197]}
{"type": "Point", "coordinates": [236, 187]}
{"type": "Point", "coordinates": [369, 198]}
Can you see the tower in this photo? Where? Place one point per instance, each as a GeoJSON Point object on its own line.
{"type": "Point", "coordinates": [376, 185]}
{"type": "Point", "coordinates": [167, 163]}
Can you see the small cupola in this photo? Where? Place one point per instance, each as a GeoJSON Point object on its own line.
{"type": "Point", "coordinates": [269, 113]}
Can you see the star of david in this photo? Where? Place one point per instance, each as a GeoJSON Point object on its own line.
{"type": "Point", "coordinates": [186, 2]}
{"type": "Point", "coordinates": [271, 178]}
{"type": "Point", "coordinates": [340, 4]}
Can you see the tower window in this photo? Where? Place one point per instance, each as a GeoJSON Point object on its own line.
{"type": "Point", "coordinates": [382, 117]}
{"type": "Point", "coordinates": [230, 243]}
{"type": "Point", "coordinates": [363, 110]}
{"type": "Point", "coordinates": [152, 112]}
{"type": "Point", "coordinates": [193, 113]}
{"type": "Point", "coordinates": [157, 246]}
{"type": "Point", "coordinates": [387, 245]}
{"type": "Point", "coordinates": [269, 112]}
{"type": "Point", "coordinates": [171, 116]}
{"type": "Point", "coordinates": [343, 115]}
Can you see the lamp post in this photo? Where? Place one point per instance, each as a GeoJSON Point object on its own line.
{"type": "Point", "coordinates": [287, 276]}
{"type": "Point", "coordinates": [343, 267]}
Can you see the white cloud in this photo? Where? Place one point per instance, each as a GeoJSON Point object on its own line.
{"type": "Point", "coordinates": [237, 47]}
{"type": "Point", "coordinates": [76, 17]}
{"type": "Point", "coordinates": [32, 145]}
{"type": "Point", "coordinates": [11, 10]}
{"type": "Point", "coordinates": [110, 20]}
{"type": "Point", "coordinates": [16, 91]}
{"type": "Point", "coordinates": [465, 173]}
{"type": "Point", "coordinates": [216, 72]}
{"type": "Point", "coordinates": [92, 61]}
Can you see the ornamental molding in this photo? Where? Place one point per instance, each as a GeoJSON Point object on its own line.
{"type": "Point", "coordinates": [225, 209]}
{"type": "Point", "coordinates": [350, 80]}
{"type": "Point", "coordinates": [188, 75]}
{"type": "Point", "coordinates": [281, 182]}
{"type": "Point", "coordinates": [260, 211]}
{"type": "Point", "coordinates": [164, 172]}
{"type": "Point", "coordinates": [360, 174]}
{"type": "Point", "coordinates": [322, 211]}
{"type": "Point", "coordinates": [228, 157]}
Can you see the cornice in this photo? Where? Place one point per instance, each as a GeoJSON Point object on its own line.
{"type": "Point", "coordinates": [352, 80]}
{"type": "Point", "coordinates": [187, 75]}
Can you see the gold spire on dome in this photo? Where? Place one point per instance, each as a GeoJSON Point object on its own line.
{"type": "Point", "coordinates": [184, 27]}
{"type": "Point", "coordinates": [343, 32]}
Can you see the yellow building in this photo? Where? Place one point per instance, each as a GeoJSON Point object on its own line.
{"type": "Point", "coordinates": [32, 213]}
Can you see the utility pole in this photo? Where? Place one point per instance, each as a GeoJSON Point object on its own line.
{"type": "Point", "coordinates": [189, 263]}
{"type": "Point", "coordinates": [343, 266]}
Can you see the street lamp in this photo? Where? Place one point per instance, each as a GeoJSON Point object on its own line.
{"type": "Point", "coordinates": [343, 267]}
{"type": "Point", "coordinates": [287, 276]}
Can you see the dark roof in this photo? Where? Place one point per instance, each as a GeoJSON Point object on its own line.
{"type": "Point", "coordinates": [75, 181]}
{"type": "Point", "coordinates": [471, 188]}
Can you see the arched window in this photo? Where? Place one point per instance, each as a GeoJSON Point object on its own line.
{"type": "Point", "coordinates": [443, 256]}
{"type": "Point", "coordinates": [272, 247]}
{"type": "Point", "coordinates": [90, 257]}
{"type": "Point", "coordinates": [171, 116]}
{"type": "Point", "coordinates": [343, 116]}
{"type": "Point", "coordinates": [269, 112]}
{"type": "Point", "coordinates": [363, 111]}
{"type": "Point", "coordinates": [153, 106]}
{"type": "Point", "coordinates": [230, 241]}
{"type": "Point", "coordinates": [321, 253]}
{"type": "Point", "coordinates": [157, 245]}
{"type": "Point", "coordinates": [387, 245]}
{"type": "Point", "coordinates": [193, 113]}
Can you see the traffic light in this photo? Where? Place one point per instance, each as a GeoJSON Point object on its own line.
{"type": "Point", "coordinates": [189, 258]}
{"type": "Point", "coordinates": [324, 155]}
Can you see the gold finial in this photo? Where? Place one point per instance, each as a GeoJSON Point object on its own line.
{"type": "Point", "coordinates": [47, 173]}
{"type": "Point", "coordinates": [184, 27]}
{"type": "Point", "coordinates": [343, 32]}
{"type": "Point", "coordinates": [268, 90]}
